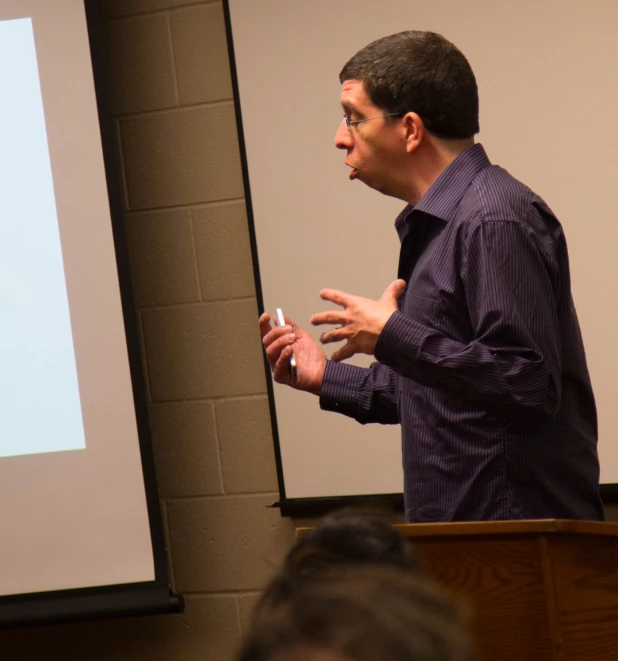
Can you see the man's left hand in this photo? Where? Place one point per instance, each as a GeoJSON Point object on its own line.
{"type": "Point", "coordinates": [361, 320]}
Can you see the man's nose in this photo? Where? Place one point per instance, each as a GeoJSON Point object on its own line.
{"type": "Point", "coordinates": [343, 138]}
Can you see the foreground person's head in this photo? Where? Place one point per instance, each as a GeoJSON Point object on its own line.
{"type": "Point", "coordinates": [347, 537]}
{"type": "Point", "coordinates": [360, 613]}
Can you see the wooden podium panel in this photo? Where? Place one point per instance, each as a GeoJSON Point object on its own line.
{"type": "Point", "coordinates": [545, 589]}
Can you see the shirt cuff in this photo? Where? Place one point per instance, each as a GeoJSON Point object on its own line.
{"type": "Point", "coordinates": [400, 341]}
{"type": "Point", "coordinates": [340, 388]}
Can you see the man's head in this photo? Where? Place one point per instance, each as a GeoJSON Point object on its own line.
{"type": "Point", "coordinates": [419, 72]}
{"type": "Point", "coordinates": [410, 103]}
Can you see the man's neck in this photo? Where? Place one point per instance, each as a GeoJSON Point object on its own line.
{"type": "Point", "coordinates": [433, 158]}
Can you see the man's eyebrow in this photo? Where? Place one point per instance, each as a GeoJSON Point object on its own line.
{"type": "Point", "coordinates": [349, 110]}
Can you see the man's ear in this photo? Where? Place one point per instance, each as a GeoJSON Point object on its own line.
{"type": "Point", "coordinates": [414, 131]}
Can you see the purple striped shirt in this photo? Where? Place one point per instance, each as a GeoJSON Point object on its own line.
{"type": "Point", "coordinates": [483, 365]}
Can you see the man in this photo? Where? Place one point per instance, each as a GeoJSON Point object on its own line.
{"type": "Point", "coordinates": [478, 348]}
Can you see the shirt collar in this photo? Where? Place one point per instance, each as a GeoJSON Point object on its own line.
{"type": "Point", "coordinates": [444, 195]}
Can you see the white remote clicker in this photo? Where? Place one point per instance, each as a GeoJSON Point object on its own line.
{"type": "Point", "coordinates": [281, 322]}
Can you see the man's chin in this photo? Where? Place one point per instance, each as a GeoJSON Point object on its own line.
{"type": "Point", "coordinates": [379, 186]}
{"type": "Point", "coordinates": [369, 181]}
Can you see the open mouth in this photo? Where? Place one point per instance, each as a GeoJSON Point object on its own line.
{"type": "Point", "coordinates": [353, 174]}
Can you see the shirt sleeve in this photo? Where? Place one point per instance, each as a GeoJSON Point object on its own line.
{"type": "Point", "coordinates": [366, 394]}
{"type": "Point", "coordinates": [513, 364]}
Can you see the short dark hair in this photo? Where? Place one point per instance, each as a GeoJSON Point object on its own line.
{"type": "Point", "coordinates": [421, 72]}
{"type": "Point", "coordinates": [364, 613]}
{"type": "Point", "coordinates": [343, 538]}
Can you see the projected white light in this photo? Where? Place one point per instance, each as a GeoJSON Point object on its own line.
{"type": "Point", "coordinates": [40, 403]}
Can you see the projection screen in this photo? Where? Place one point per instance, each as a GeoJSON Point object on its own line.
{"type": "Point", "coordinates": [80, 528]}
{"type": "Point", "coordinates": [546, 76]}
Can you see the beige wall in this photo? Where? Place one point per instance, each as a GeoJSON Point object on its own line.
{"type": "Point", "coordinates": [193, 279]}
{"type": "Point", "coordinates": [191, 265]}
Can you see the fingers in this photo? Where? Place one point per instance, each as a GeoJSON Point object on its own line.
{"type": "Point", "coordinates": [395, 290]}
{"type": "Point", "coordinates": [336, 335]}
{"type": "Point", "coordinates": [281, 368]}
{"type": "Point", "coordinates": [333, 316]}
{"type": "Point", "coordinates": [345, 352]}
{"type": "Point", "coordinates": [329, 317]}
{"type": "Point", "coordinates": [277, 346]}
{"type": "Point", "coordinates": [336, 296]}
{"type": "Point", "coordinates": [275, 340]}
{"type": "Point", "coordinates": [272, 334]}
{"type": "Point", "coordinates": [264, 324]}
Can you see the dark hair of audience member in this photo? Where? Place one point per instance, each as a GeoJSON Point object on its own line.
{"type": "Point", "coordinates": [360, 613]}
{"type": "Point", "coordinates": [346, 537]}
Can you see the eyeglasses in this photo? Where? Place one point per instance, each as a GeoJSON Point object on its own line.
{"type": "Point", "coordinates": [349, 123]}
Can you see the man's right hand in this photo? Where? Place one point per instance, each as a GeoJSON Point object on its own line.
{"type": "Point", "coordinates": [280, 342]}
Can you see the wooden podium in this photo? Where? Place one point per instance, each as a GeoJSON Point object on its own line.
{"type": "Point", "coordinates": [539, 590]}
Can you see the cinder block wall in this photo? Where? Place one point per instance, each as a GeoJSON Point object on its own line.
{"type": "Point", "coordinates": [191, 265]}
